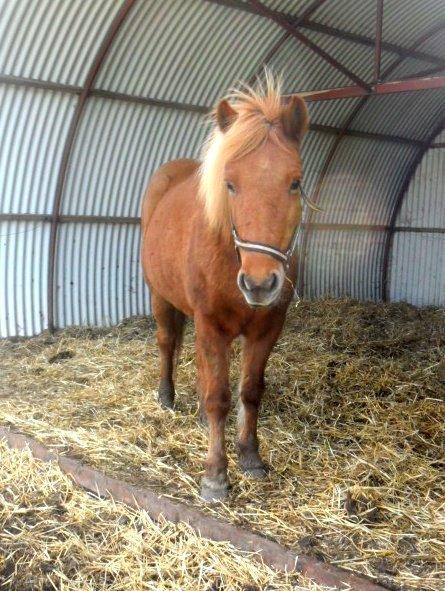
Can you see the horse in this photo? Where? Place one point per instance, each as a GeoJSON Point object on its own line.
{"type": "Point", "coordinates": [219, 245]}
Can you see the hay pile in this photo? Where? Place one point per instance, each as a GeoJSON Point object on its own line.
{"type": "Point", "coordinates": [54, 536]}
{"type": "Point", "coordinates": [352, 425]}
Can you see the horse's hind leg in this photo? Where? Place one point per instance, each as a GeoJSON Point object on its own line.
{"type": "Point", "coordinates": [256, 351]}
{"type": "Point", "coordinates": [170, 326]}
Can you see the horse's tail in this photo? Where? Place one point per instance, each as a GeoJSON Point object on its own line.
{"type": "Point", "coordinates": [163, 179]}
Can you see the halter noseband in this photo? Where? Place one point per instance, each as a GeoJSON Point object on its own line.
{"type": "Point", "coordinates": [284, 257]}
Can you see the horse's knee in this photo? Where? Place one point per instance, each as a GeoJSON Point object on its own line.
{"type": "Point", "coordinates": [217, 403]}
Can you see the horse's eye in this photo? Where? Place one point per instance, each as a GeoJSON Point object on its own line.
{"type": "Point", "coordinates": [294, 189]}
{"type": "Point", "coordinates": [230, 187]}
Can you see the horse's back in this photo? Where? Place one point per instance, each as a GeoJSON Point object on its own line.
{"type": "Point", "coordinates": [164, 179]}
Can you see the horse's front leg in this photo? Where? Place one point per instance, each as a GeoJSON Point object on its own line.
{"type": "Point", "coordinates": [213, 367]}
{"type": "Point", "coordinates": [256, 351]}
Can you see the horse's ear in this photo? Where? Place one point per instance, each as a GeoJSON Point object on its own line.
{"type": "Point", "coordinates": [295, 119]}
{"type": "Point", "coordinates": [225, 115]}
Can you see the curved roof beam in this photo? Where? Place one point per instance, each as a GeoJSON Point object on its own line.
{"type": "Point", "coordinates": [278, 45]}
{"type": "Point", "coordinates": [398, 206]}
{"type": "Point", "coordinates": [68, 148]}
{"type": "Point", "coordinates": [311, 25]}
{"type": "Point", "coordinates": [330, 157]}
{"type": "Point", "coordinates": [278, 18]}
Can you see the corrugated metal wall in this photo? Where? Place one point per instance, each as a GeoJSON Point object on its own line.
{"type": "Point", "coordinates": [418, 257]}
{"type": "Point", "coordinates": [168, 62]}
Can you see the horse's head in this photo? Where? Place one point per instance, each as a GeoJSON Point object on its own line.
{"type": "Point", "coordinates": [254, 159]}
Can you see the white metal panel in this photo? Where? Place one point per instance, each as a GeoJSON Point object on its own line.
{"type": "Point", "coordinates": [190, 52]}
{"type": "Point", "coordinates": [33, 128]}
{"type": "Point", "coordinates": [363, 181]}
{"type": "Point", "coordinates": [99, 278]}
{"type": "Point", "coordinates": [344, 264]}
{"type": "Point", "coordinates": [23, 278]}
{"type": "Point", "coordinates": [118, 147]}
{"type": "Point", "coordinates": [418, 269]}
{"type": "Point", "coordinates": [424, 202]}
{"type": "Point", "coordinates": [54, 40]}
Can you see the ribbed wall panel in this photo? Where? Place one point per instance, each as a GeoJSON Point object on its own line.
{"type": "Point", "coordinates": [402, 19]}
{"type": "Point", "coordinates": [440, 139]}
{"type": "Point", "coordinates": [99, 278]}
{"type": "Point", "coordinates": [118, 148]}
{"type": "Point", "coordinates": [315, 147]}
{"type": "Point", "coordinates": [293, 7]}
{"type": "Point", "coordinates": [344, 264]}
{"type": "Point", "coordinates": [303, 70]}
{"type": "Point", "coordinates": [363, 180]}
{"type": "Point", "coordinates": [417, 266]}
{"type": "Point", "coordinates": [53, 40]}
{"type": "Point", "coordinates": [418, 269]}
{"type": "Point", "coordinates": [410, 115]}
{"type": "Point", "coordinates": [333, 112]}
{"type": "Point", "coordinates": [23, 278]}
{"type": "Point", "coordinates": [424, 202]}
{"type": "Point", "coordinates": [189, 52]}
{"type": "Point", "coordinates": [33, 128]}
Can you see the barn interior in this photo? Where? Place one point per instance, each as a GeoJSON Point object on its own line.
{"type": "Point", "coordinates": [95, 95]}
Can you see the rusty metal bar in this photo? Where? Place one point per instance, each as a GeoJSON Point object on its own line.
{"type": "Point", "coordinates": [403, 52]}
{"type": "Point", "coordinates": [278, 45]}
{"type": "Point", "coordinates": [267, 551]}
{"type": "Point", "coordinates": [64, 219]}
{"type": "Point", "coordinates": [107, 219]}
{"type": "Point", "coordinates": [378, 41]}
{"type": "Point", "coordinates": [69, 144]}
{"type": "Point", "coordinates": [383, 88]}
{"type": "Point", "coordinates": [366, 134]}
{"type": "Point", "coordinates": [342, 133]}
{"type": "Point", "coordinates": [278, 18]}
{"type": "Point", "coordinates": [398, 205]}
{"type": "Point", "coordinates": [424, 73]}
{"type": "Point", "coordinates": [341, 34]}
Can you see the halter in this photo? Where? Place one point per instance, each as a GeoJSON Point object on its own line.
{"type": "Point", "coordinates": [284, 257]}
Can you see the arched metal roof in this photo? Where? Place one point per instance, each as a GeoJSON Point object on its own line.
{"type": "Point", "coordinates": [97, 93]}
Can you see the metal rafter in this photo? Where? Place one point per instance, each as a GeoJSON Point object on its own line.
{"type": "Point", "coordinates": [392, 87]}
{"type": "Point", "coordinates": [278, 18]}
{"type": "Point", "coordinates": [279, 44]}
{"type": "Point", "coordinates": [343, 132]}
{"type": "Point", "coordinates": [398, 205]}
{"type": "Point", "coordinates": [311, 25]}
{"type": "Point", "coordinates": [68, 147]}
{"type": "Point", "coordinates": [378, 41]}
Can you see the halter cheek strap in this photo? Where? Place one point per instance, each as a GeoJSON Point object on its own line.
{"type": "Point", "coordinates": [284, 257]}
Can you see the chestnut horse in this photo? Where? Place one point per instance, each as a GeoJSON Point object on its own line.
{"type": "Point", "coordinates": [218, 245]}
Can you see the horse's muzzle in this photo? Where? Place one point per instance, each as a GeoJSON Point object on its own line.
{"type": "Point", "coordinates": [263, 292]}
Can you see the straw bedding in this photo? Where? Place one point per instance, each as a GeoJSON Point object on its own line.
{"type": "Point", "coordinates": [55, 536]}
{"type": "Point", "coordinates": [352, 426]}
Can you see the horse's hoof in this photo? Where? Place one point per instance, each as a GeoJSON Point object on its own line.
{"type": "Point", "coordinates": [257, 472]}
{"type": "Point", "coordinates": [251, 465]}
{"type": "Point", "coordinates": [166, 396]}
{"type": "Point", "coordinates": [214, 489]}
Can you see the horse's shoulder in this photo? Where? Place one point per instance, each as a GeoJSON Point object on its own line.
{"type": "Point", "coordinates": [167, 176]}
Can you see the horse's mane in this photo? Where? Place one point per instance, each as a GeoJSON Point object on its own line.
{"type": "Point", "coordinates": [258, 118]}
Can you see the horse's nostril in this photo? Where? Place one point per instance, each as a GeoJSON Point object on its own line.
{"type": "Point", "coordinates": [244, 283]}
{"type": "Point", "coordinates": [272, 281]}
{"type": "Point", "coordinates": [248, 284]}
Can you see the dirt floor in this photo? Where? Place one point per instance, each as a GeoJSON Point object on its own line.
{"type": "Point", "coordinates": [352, 426]}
